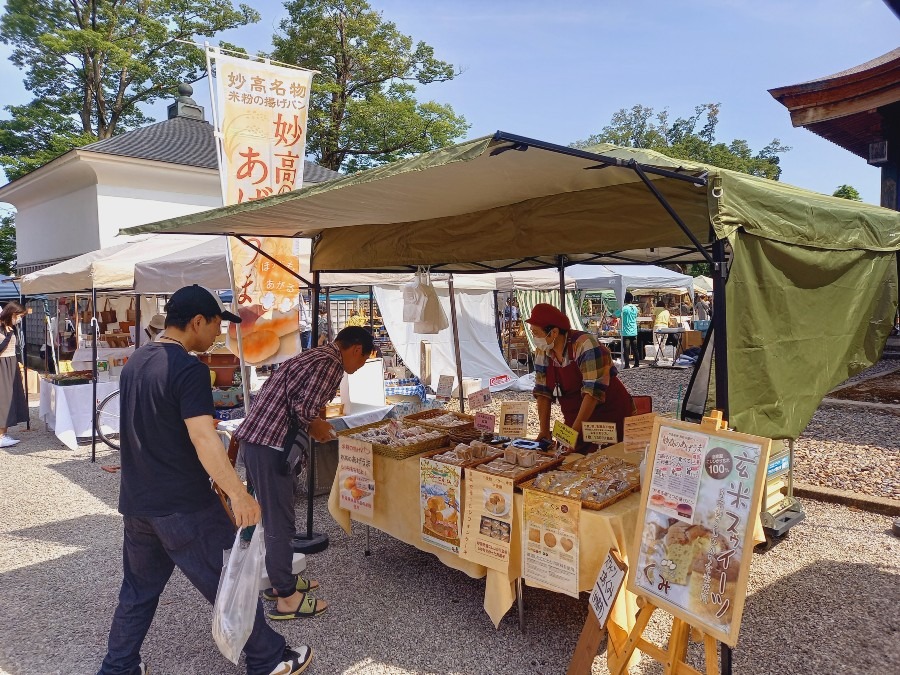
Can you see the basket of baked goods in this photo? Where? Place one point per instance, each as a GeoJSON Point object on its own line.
{"type": "Point", "coordinates": [522, 460]}
{"type": "Point", "coordinates": [597, 480]}
{"type": "Point", "coordinates": [465, 455]}
{"type": "Point", "coordinates": [440, 418]}
{"type": "Point", "coordinates": [398, 439]}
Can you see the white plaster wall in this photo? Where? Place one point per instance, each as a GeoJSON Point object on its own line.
{"type": "Point", "coordinates": [60, 227]}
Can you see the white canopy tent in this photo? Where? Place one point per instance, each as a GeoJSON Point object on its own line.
{"type": "Point", "coordinates": [638, 279]}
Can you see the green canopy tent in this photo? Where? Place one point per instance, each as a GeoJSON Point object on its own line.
{"type": "Point", "coordinates": [811, 280]}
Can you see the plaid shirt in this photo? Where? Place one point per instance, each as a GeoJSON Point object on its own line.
{"type": "Point", "coordinates": [306, 383]}
{"type": "Point", "coordinates": [594, 361]}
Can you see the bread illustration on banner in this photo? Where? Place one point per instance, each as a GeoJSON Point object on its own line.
{"type": "Point", "coordinates": [260, 345]}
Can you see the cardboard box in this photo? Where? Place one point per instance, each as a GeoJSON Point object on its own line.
{"type": "Point", "coordinates": [691, 338]}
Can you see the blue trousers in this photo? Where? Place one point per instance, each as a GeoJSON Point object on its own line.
{"type": "Point", "coordinates": [153, 547]}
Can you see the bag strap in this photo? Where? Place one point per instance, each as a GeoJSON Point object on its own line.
{"type": "Point", "coordinates": [106, 305]}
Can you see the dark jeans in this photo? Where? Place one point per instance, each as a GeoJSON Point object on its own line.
{"type": "Point", "coordinates": [274, 488]}
{"type": "Point", "coordinates": [306, 339]}
{"type": "Point", "coordinates": [630, 346]}
{"type": "Point", "coordinates": [152, 549]}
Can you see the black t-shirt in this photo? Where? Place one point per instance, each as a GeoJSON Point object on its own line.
{"type": "Point", "coordinates": [161, 386]}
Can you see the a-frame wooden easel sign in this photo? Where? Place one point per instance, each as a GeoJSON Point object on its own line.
{"type": "Point", "coordinates": [694, 542]}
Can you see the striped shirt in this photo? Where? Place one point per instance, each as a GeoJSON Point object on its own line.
{"type": "Point", "coordinates": [594, 360]}
{"type": "Point", "coordinates": [305, 383]}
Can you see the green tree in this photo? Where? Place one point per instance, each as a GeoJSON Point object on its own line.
{"type": "Point", "coordinates": [847, 192]}
{"type": "Point", "coordinates": [363, 109]}
{"type": "Point", "coordinates": [685, 138]}
{"type": "Point", "coordinates": [91, 63]}
{"type": "Point", "coordinates": [7, 244]}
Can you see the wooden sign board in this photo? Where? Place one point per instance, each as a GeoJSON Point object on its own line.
{"type": "Point", "coordinates": [699, 503]}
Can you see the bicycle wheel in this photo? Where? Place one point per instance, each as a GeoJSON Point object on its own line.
{"type": "Point", "coordinates": [108, 420]}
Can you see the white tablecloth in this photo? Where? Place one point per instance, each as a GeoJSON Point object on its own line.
{"type": "Point", "coordinates": [83, 358]}
{"type": "Point", "coordinates": [68, 410]}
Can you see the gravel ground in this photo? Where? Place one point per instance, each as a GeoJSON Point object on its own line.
{"type": "Point", "coordinates": [823, 600]}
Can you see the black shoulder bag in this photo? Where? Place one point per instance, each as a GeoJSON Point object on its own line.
{"type": "Point", "coordinates": [296, 439]}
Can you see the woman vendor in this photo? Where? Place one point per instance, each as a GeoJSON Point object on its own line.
{"type": "Point", "coordinates": [577, 371]}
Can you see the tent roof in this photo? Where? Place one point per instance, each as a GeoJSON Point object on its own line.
{"type": "Point", "coordinates": [504, 203]}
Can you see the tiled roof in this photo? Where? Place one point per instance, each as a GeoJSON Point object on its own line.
{"type": "Point", "coordinates": [186, 141]}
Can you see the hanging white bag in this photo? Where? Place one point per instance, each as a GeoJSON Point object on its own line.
{"type": "Point", "coordinates": [414, 300]}
{"type": "Point", "coordinates": [235, 608]}
{"type": "Point", "coordinates": [434, 319]}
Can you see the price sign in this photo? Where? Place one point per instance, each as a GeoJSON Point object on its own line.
{"type": "Point", "coordinates": [638, 430]}
{"type": "Point", "coordinates": [607, 587]}
{"type": "Point", "coordinates": [479, 399]}
{"type": "Point", "coordinates": [564, 434]}
{"type": "Point", "coordinates": [514, 418]}
{"type": "Point", "coordinates": [445, 386]}
{"type": "Point", "coordinates": [485, 422]}
{"type": "Point", "coordinates": [603, 433]}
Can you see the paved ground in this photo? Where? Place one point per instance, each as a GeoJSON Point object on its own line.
{"type": "Point", "coordinates": [823, 601]}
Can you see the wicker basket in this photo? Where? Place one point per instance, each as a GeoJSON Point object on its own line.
{"type": "Point", "coordinates": [586, 504]}
{"type": "Point", "coordinates": [421, 418]}
{"type": "Point", "coordinates": [398, 452]}
{"type": "Point", "coordinates": [463, 434]}
{"type": "Point", "coordinates": [468, 464]}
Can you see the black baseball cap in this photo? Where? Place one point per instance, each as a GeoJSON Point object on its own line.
{"type": "Point", "coordinates": [194, 300]}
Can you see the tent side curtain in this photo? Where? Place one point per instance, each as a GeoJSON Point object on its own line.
{"type": "Point", "coordinates": [528, 299]}
{"type": "Point", "coordinates": [800, 321]}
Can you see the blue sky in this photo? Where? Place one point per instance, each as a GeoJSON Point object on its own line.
{"type": "Point", "coordinates": [558, 71]}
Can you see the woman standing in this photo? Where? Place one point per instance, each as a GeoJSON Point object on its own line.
{"type": "Point", "coordinates": [571, 367]}
{"type": "Point", "coordinates": [13, 404]}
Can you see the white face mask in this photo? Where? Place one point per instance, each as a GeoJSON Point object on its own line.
{"type": "Point", "coordinates": [550, 341]}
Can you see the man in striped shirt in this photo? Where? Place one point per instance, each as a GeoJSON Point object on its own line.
{"type": "Point", "coordinates": [291, 401]}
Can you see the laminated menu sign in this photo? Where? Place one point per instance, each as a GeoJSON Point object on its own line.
{"type": "Point", "coordinates": [356, 476]}
{"type": "Point", "coordinates": [606, 588]}
{"type": "Point", "coordinates": [514, 419]}
{"type": "Point", "coordinates": [696, 568]}
{"type": "Point", "coordinates": [550, 541]}
{"type": "Point", "coordinates": [439, 503]}
{"type": "Point", "coordinates": [487, 521]}
{"type": "Point", "coordinates": [637, 432]}
{"type": "Point", "coordinates": [445, 386]}
{"type": "Point", "coordinates": [675, 474]}
{"type": "Point", "coordinates": [565, 434]}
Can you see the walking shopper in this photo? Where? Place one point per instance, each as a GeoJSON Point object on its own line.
{"type": "Point", "coordinates": [629, 315]}
{"type": "Point", "coordinates": [169, 451]}
{"type": "Point", "coordinates": [13, 404]}
{"type": "Point", "coordinates": [275, 440]}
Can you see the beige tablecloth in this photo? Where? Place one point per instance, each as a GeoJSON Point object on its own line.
{"type": "Point", "coordinates": [397, 514]}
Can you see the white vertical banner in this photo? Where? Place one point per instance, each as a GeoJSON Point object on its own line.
{"type": "Point", "coordinates": [260, 112]}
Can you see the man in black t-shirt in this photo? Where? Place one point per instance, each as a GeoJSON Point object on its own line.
{"type": "Point", "coordinates": [169, 452]}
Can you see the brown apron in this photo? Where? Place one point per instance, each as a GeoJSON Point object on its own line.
{"type": "Point", "coordinates": [565, 383]}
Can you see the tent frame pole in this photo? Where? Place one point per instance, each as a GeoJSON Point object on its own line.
{"type": "Point", "coordinates": [137, 323]}
{"type": "Point", "coordinates": [561, 266]}
{"type": "Point", "coordinates": [456, 354]}
{"type": "Point", "coordinates": [95, 332]}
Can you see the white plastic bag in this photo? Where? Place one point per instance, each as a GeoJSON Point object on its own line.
{"type": "Point", "coordinates": [235, 608]}
{"type": "Point", "coordinates": [413, 301]}
{"type": "Point", "coordinates": [434, 320]}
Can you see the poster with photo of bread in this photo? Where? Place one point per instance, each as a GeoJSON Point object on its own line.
{"type": "Point", "coordinates": [550, 549]}
{"type": "Point", "coordinates": [695, 539]}
{"type": "Point", "coordinates": [267, 297]}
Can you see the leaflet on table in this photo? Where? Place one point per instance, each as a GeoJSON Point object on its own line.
{"type": "Point", "coordinates": [439, 501]}
{"type": "Point", "coordinates": [638, 431]}
{"type": "Point", "coordinates": [698, 572]}
{"type": "Point", "coordinates": [487, 521]}
{"type": "Point", "coordinates": [485, 422]}
{"type": "Point", "coordinates": [602, 433]}
{"type": "Point", "coordinates": [550, 544]}
{"type": "Point", "coordinates": [606, 588]}
{"type": "Point", "coordinates": [445, 386]}
{"type": "Point", "coordinates": [675, 475]}
{"type": "Point", "coordinates": [514, 419]}
{"type": "Point", "coordinates": [356, 476]}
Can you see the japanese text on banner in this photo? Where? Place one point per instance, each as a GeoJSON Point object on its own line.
{"type": "Point", "coordinates": [356, 476]}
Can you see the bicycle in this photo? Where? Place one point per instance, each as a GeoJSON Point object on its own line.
{"type": "Point", "coordinates": [107, 420]}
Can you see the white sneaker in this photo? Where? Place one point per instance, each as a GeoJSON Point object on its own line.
{"type": "Point", "coordinates": [8, 441]}
{"type": "Point", "coordinates": [295, 661]}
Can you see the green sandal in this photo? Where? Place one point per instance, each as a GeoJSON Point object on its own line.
{"type": "Point", "coordinates": [303, 585]}
{"type": "Point", "coordinates": [309, 607]}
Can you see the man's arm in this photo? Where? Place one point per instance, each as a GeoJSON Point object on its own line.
{"type": "Point", "coordinates": [543, 410]}
{"type": "Point", "coordinates": [215, 461]}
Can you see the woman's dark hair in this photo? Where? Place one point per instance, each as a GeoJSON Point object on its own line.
{"type": "Point", "coordinates": [629, 298]}
{"type": "Point", "coordinates": [9, 313]}
{"type": "Point", "coordinates": [355, 335]}
{"type": "Point", "coordinates": [547, 330]}
{"type": "Point", "coordinates": [660, 303]}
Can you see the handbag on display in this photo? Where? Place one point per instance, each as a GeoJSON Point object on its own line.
{"type": "Point", "coordinates": [130, 313]}
{"type": "Point", "coordinates": [88, 313]}
{"type": "Point", "coordinates": [107, 315]}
